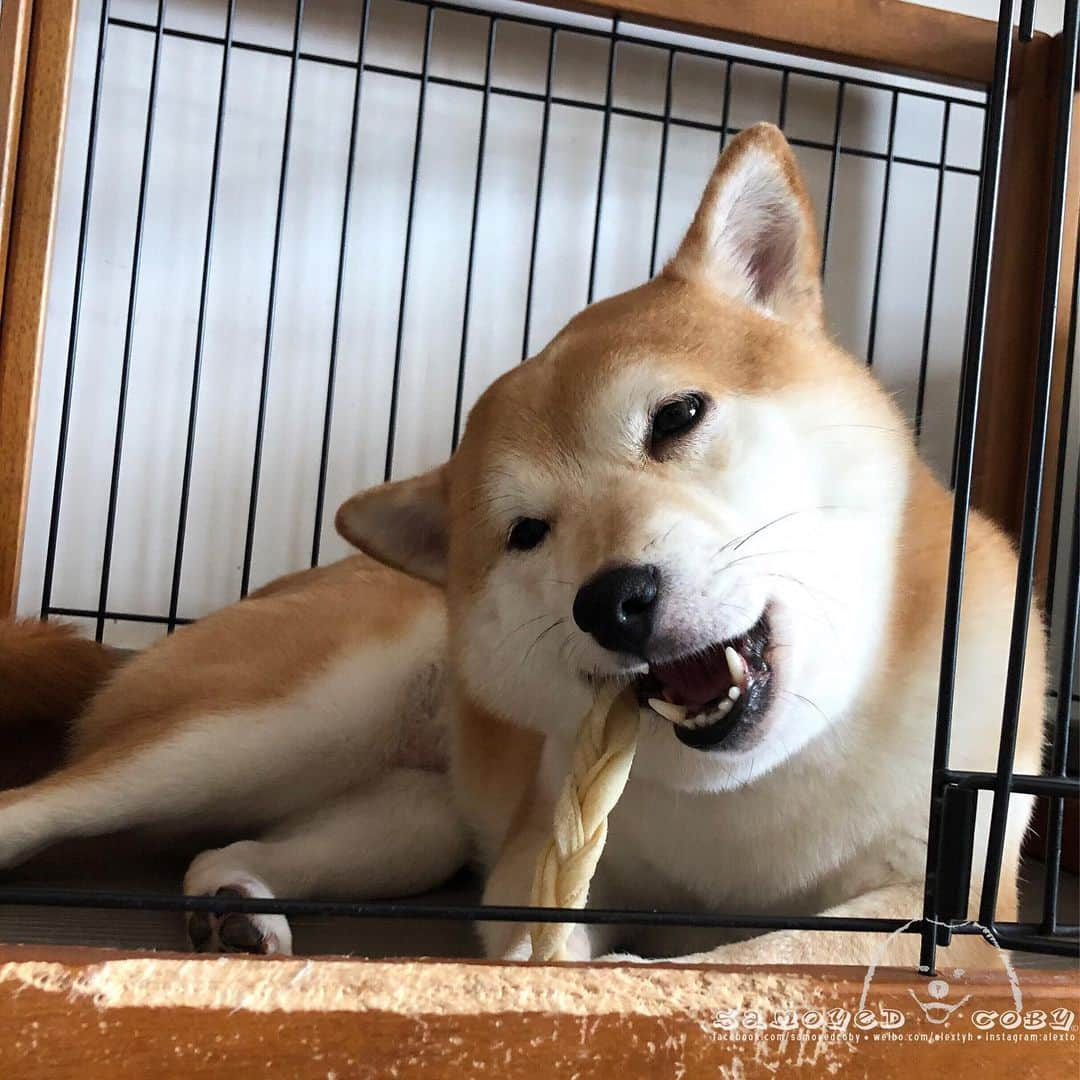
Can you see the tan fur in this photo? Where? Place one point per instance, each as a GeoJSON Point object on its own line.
{"type": "Point", "coordinates": [289, 630]}
{"type": "Point", "coordinates": [494, 767]}
{"type": "Point", "coordinates": [253, 653]}
{"type": "Point", "coordinates": [990, 570]}
{"type": "Point", "coordinates": [199, 670]}
{"type": "Point", "coordinates": [48, 673]}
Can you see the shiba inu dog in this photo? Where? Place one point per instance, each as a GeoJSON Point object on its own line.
{"type": "Point", "coordinates": [301, 726]}
{"type": "Point", "coordinates": [691, 490]}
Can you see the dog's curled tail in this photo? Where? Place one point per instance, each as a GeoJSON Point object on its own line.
{"type": "Point", "coordinates": [47, 675]}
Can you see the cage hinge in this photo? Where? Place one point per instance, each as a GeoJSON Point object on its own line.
{"type": "Point", "coordinates": [952, 881]}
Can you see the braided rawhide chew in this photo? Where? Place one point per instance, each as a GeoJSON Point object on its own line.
{"type": "Point", "coordinates": [603, 755]}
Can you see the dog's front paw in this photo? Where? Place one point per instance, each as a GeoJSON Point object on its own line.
{"type": "Point", "coordinates": [623, 958]}
{"type": "Point", "coordinates": [239, 932]}
{"type": "Point", "coordinates": [229, 871]}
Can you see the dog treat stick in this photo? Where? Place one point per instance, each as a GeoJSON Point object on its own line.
{"type": "Point", "coordinates": [602, 758]}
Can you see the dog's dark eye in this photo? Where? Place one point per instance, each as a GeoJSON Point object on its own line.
{"type": "Point", "coordinates": [676, 417]}
{"type": "Point", "coordinates": [527, 533]}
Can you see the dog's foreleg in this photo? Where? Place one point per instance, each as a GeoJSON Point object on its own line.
{"type": "Point", "coordinates": [209, 772]}
{"type": "Point", "coordinates": [159, 782]}
{"type": "Point", "coordinates": [399, 835]}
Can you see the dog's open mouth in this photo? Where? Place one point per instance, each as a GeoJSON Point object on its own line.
{"type": "Point", "coordinates": [710, 693]}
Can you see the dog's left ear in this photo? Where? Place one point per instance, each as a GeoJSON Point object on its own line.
{"type": "Point", "coordinates": [403, 524]}
{"type": "Point", "coordinates": [754, 235]}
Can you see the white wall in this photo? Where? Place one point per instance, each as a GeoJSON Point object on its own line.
{"type": "Point", "coordinates": [1048, 13]}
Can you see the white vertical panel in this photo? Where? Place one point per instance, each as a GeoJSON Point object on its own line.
{"type": "Point", "coordinates": [163, 342]}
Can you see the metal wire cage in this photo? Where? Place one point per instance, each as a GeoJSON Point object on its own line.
{"type": "Point", "coordinates": [696, 86]}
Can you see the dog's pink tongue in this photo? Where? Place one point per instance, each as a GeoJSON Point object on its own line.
{"type": "Point", "coordinates": [695, 681]}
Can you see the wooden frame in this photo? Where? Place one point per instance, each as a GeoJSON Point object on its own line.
{"type": "Point", "coordinates": [1063, 334]}
{"type": "Point", "coordinates": [890, 35]}
{"type": "Point", "coordinates": [14, 40]}
{"type": "Point", "coordinates": [1012, 339]}
{"type": "Point", "coordinates": [42, 33]}
{"type": "Point", "coordinates": [89, 1013]}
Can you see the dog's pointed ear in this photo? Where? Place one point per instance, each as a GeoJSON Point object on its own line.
{"type": "Point", "coordinates": [754, 235]}
{"type": "Point", "coordinates": [403, 524]}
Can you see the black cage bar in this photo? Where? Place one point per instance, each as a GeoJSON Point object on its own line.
{"type": "Point", "coordinates": [936, 923]}
{"type": "Point", "coordinates": [293, 56]}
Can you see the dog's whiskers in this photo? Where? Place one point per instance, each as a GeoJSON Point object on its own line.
{"type": "Point", "coordinates": [737, 542]}
{"type": "Point", "coordinates": [859, 427]}
{"type": "Point", "coordinates": [769, 524]}
{"type": "Point", "coordinates": [820, 599]}
{"type": "Point", "coordinates": [656, 540]}
{"type": "Point", "coordinates": [806, 701]}
{"type": "Point", "coordinates": [566, 649]}
{"type": "Point", "coordinates": [802, 584]}
{"type": "Point", "coordinates": [759, 555]}
{"type": "Point", "coordinates": [527, 622]}
{"type": "Point", "coordinates": [540, 637]}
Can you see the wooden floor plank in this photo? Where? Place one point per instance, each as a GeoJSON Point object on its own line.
{"type": "Point", "coordinates": [92, 1013]}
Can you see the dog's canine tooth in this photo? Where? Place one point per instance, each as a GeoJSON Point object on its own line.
{"type": "Point", "coordinates": [669, 711]}
{"type": "Point", "coordinates": [734, 693]}
{"type": "Point", "coordinates": [734, 663]}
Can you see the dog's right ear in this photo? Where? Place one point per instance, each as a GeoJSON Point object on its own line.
{"type": "Point", "coordinates": [403, 524]}
{"type": "Point", "coordinates": [754, 236]}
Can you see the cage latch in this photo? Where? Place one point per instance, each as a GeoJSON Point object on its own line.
{"type": "Point", "coordinates": [955, 854]}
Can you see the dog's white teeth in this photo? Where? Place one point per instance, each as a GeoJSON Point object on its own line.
{"type": "Point", "coordinates": [735, 664]}
{"type": "Point", "coordinates": [669, 711]}
{"type": "Point", "coordinates": [679, 714]}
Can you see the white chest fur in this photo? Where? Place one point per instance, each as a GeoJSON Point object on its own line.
{"type": "Point", "coordinates": [810, 833]}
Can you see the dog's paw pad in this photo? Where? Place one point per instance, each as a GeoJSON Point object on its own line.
{"type": "Point", "coordinates": [199, 929]}
{"type": "Point", "coordinates": [242, 933]}
{"type": "Point", "coordinates": [238, 932]}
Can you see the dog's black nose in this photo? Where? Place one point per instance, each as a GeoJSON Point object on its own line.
{"type": "Point", "coordinates": [617, 605]}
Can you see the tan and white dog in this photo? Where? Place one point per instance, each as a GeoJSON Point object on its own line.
{"type": "Point", "coordinates": [691, 490]}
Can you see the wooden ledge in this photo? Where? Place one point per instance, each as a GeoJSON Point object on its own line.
{"type": "Point", "coordinates": [99, 1013]}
